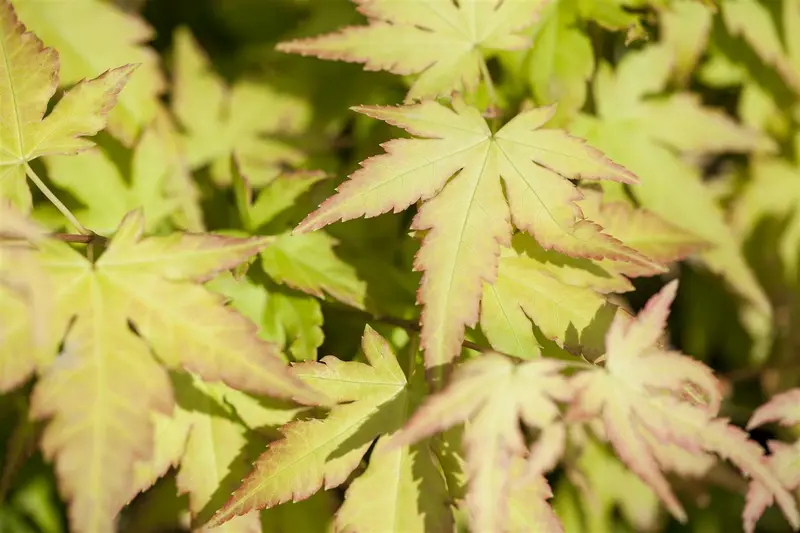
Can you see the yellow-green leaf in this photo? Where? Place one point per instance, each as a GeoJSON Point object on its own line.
{"type": "Point", "coordinates": [92, 36]}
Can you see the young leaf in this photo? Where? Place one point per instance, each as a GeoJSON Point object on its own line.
{"type": "Point", "coordinates": [28, 79]}
{"type": "Point", "coordinates": [468, 218]}
{"type": "Point", "coordinates": [92, 36]}
{"type": "Point", "coordinates": [785, 458]}
{"type": "Point", "coordinates": [374, 399]}
{"type": "Point", "coordinates": [102, 390]}
{"type": "Point", "coordinates": [493, 394]}
{"type": "Point", "coordinates": [658, 406]}
{"type": "Point", "coordinates": [442, 40]}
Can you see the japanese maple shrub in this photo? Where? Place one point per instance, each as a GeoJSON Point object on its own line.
{"type": "Point", "coordinates": [177, 247]}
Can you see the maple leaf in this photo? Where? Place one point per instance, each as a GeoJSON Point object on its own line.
{"type": "Point", "coordinates": [99, 183]}
{"type": "Point", "coordinates": [563, 305]}
{"type": "Point", "coordinates": [374, 401]}
{"type": "Point", "coordinates": [92, 36]}
{"type": "Point", "coordinates": [685, 26]}
{"type": "Point", "coordinates": [285, 317]}
{"type": "Point", "coordinates": [24, 293]}
{"type": "Point", "coordinates": [771, 193]}
{"type": "Point", "coordinates": [645, 133]}
{"type": "Point", "coordinates": [590, 474]}
{"type": "Point", "coordinates": [442, 40]}
{"type": "Point", "coordinates": [527, 501]}
{"type": "Point", "coordinates": [657, 407]}
{"type": "Point", "coordinates": [561, 59]}
{"type": "Point", "coordinates": [640, 229]}
{"type": "Point", "coordinates": [28, 79]}
{"type": "Point", "coordinates": [492, 394]}
{"type": "Point", "coordinates": [754, 22]}
{"type": "Point", "coordinates": [220, 120]}
{"type": "Point", "coordinates": [784, 459]}
{"type": "Point", "coordinates": [468, 218]}
{"type": "Point", "coordinates": [101, 390]}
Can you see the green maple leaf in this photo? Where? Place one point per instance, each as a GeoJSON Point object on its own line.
{"type": "Point", "coordinates": [288, 318]}
{"type": "Point", "coordinates": [467, 218]}
{"type": "Point", "coordinates": [561, 60]}
{"type": "Point", "coordinates": [493, 394]}
{"type": "Point", "coordinates": [647, 134]}
{"type": "Point", "coordinates": [771, 194]}
{"type": "Point", "coordinates": [778, 47]}
{"type": "Point", "coordinates": [659, 409]}
{"type": "Point", "coordinates": [311, 263]}
{"type": "Point", "coordinates": [92, 36]}
{"type": "Point", "coordinates": [220, 120]}
{"type": "Point", "coordinates": [562, 305]}
{"type": "Point", "coordinates": [107, 193]}
{"type": "Point", "coordinates": [441, 40]}
{"type": "Point", "coordinates": [685, 26]}
{"type": "Point", "coordinates": [784, 460]}
{"type": "Point", "coordinates": [374, 401]}
{"type": "Point", "coordinates": [28, 79]}
{"type": "Point", "coordinates": [101, 390]}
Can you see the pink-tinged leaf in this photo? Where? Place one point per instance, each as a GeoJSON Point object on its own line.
{"type": "Point", "coordinates": [783, 408]}
{"type": "Point", "coordinates": [528, 506]}
{"type": "Point", "coordinates": [468, 224]}
{"type": "Point", "coordinates": [784, 459]}
{"type": "Point", "coordinates": [492, 395]}
{"type": "Point", "coordinates": [179, 256]}
{"type": "Point", "coordinates": [441, 40]}
{"type": "Point", "coordinates": [458, 169]}
{"type": "Point", "coordinates": [321, 453]}
{"type": "Point", "coordinates": [641, 230]}
{"type": "Point", "coordinates": [648, 416]}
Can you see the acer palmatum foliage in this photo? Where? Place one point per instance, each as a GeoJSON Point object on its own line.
{"type": "Point", "coordinates": [658, 405]}
{"type": "Point", "coordinates": [784, 460]}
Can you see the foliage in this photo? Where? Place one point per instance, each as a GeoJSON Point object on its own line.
{"type": "Point", "coordinates": [553, 247]}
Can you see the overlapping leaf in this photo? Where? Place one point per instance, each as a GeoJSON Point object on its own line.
{"type": "Point", "coordinates": [92, 36]}
{"type": "Point", "coordinates": [659, 409]}
{"type": "Point", "coordinates": [374, 400]}
{"type": "Point", "coordinates": [784, 460]}
{"type": "Point", "coordinates": [103, 389]}
{"type": "Point", "coordinates": [107, 193]}
{"type": "Point", "coordinates": [458, 168]}
{"type": "Point", "coordinates": [492, 395]}
{"type": "Point", "coordinates": [441, 40]}
{"type": "Point", "coordinates": [645, 134]}
{"type": "Point", "coordinates": [28, 79]}
{"type": "Point", "coordinates": [554, 293]}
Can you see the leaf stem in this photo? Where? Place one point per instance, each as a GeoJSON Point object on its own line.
{"type": "Point", "coordinates": [56, 202]}
{"type": "Point", "coordinates": [489, 83]}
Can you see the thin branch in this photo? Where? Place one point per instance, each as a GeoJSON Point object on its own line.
{"type": "Point", "coordinates": [55, 201]}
